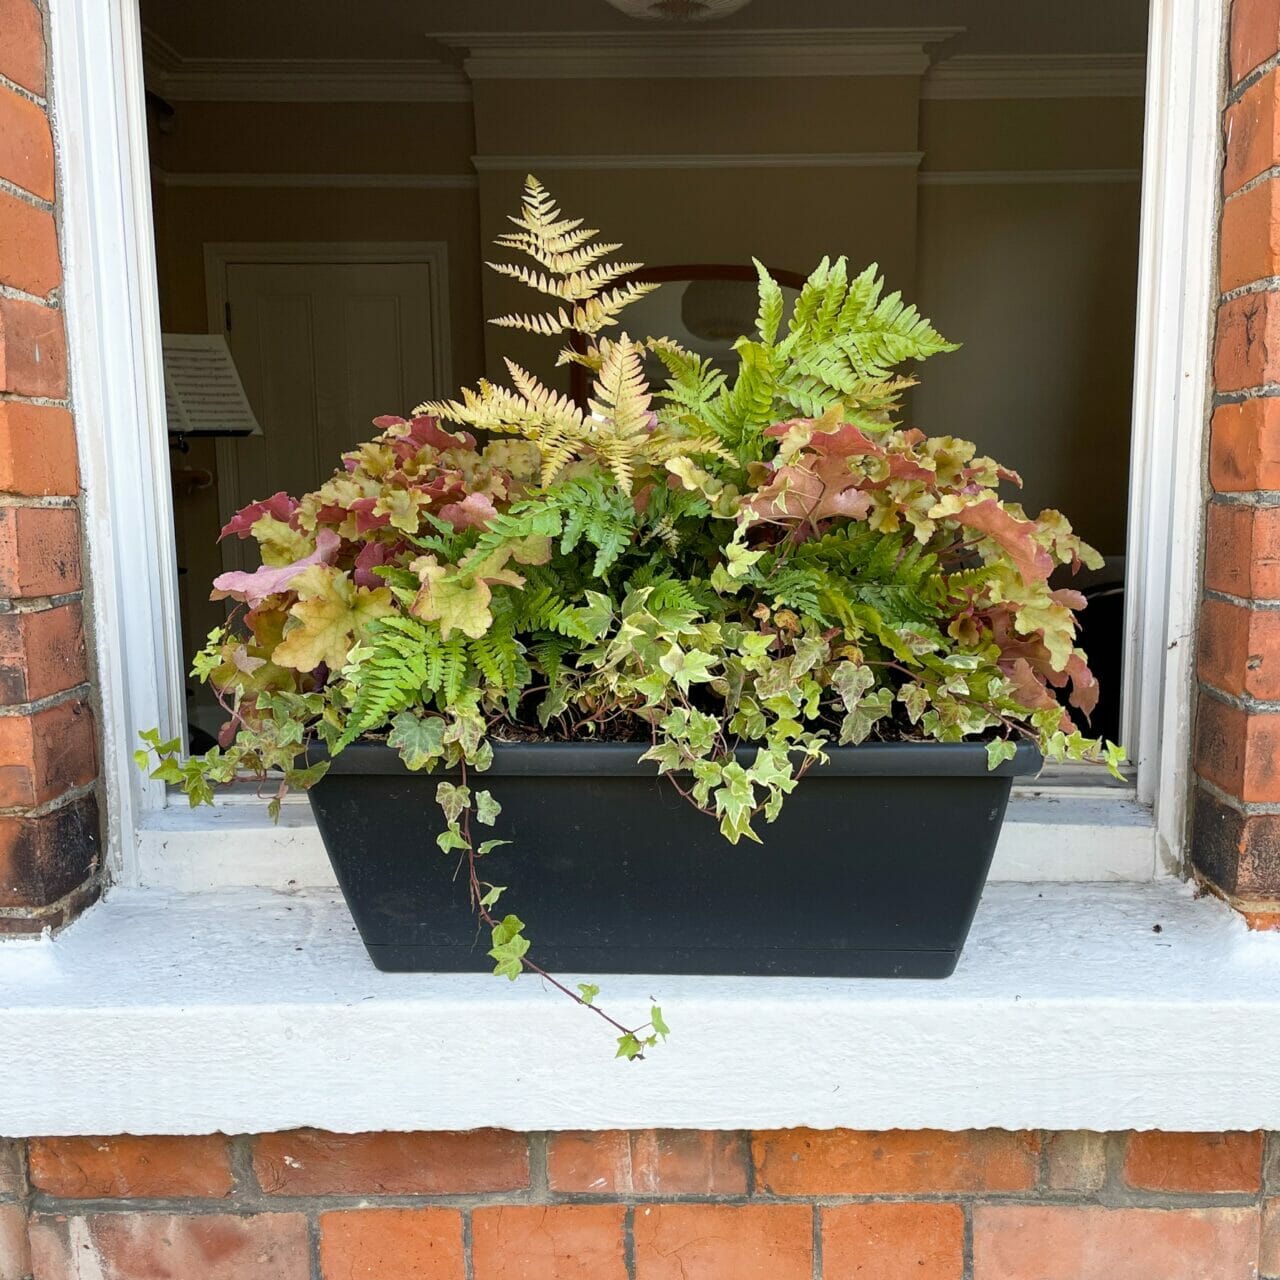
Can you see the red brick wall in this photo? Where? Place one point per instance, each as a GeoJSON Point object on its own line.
{"type": "Point", "coordinates": [667, 1205]}
{"type": "Point", "coordinates": [1236, 829]}
{"type": "Point", "coordinates": [48, 811]}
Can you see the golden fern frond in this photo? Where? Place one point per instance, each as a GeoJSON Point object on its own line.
{"type": "Point", "coordinates": [668, 446]}
{"type": "Point", "coordinates": [572, 287]}
{"type": "Point", "coordinates": [570, 265]}
{"type": "Point", "coordinates": [542, 399]}
{"type": "Point", "coordinates": [621, 399]}
{"type": "Point", "coordinates": [588, 359]}
{"type": "Point", "coordinates": [580, 259]}
{"type": "Point", "coordinates": [537, 413]}
{"type": "Point", "coordinates": [560, 260]}
{"type": "Point", "coordinates": [548, 324]}
{"type": "Point", "coordinates": [593, 314]}
{"type": "Point", "coordinates": [556, 459]}
{"type": "Point", "coordinates": [619, 457]}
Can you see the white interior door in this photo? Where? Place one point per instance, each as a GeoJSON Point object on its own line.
{"type": "Point", "coordinates": [322, 347]}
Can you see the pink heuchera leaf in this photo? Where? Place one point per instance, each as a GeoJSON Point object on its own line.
{"type": "Point", "coordinates": [270, 580]}
{"type": "Point", "coordinates": [1084, 684]}
{"type": "Point", "coordinates": [280, 505]}
{"type": "Point", "coordinates": [817, 489]}
{"type": "Point", "coordinates": [1016, 537]}
{"type": "Point", "coordinates": [366, 519]}
{"type": "Point", "coordinates": [425, 429]}
{"type": "Point", "coordinates": [473, 512]}
{"type": "Point", "coordinates": [372, 554]}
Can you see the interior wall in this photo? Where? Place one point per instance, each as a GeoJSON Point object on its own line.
{"type": "Point", "coordinates": [1028, 234]}
{"type": "Point", "coordinates": [1035, 275]}
{"type": "Point", "coordinates": [862, 204]}
{"type": "Point", "coordinates": [214, 142]}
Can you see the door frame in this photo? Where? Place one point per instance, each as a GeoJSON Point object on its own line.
{"type": "Point", "coordinates": [221, 254]}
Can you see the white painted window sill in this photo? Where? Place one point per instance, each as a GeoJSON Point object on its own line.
{"type": "Point", "coordinates": [1051, 833]}
{"type": "Point", "coordinates": [251, 1010]}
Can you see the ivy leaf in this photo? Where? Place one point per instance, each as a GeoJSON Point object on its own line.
{"type": "Point", "coordinates": [330, 615]}
{"type": "Point", "coordinates": [488, 846]}
{"type": "Point", "coordinates": [588, 991]}
{"type": "Point", "coordinates": [487, 808]}
{"type": "Point", "coordinates": [735, 803]}
{"type": "Point", "coordinates": [596, 615]}
{"type": "Point", "coordinates": [915, 697]}
{"type": "Point", "coordinates": [419, 739]}
{"type": "Point", "coordinates": [453, 799]}
{"type": "Point", "coordinates": [686, 668]}
{"type": "Point", "coordinates": [450, 839]}
{"type": "Point", "coordinates": [851, 680]}
{"type": "Point", "coordinates": [492, 894]}
{"type": "Point", "coordinates": [659, 1026]}
{"type": "Point", "coordinates": [509, 947]}
{"type": "Point", "coordinates": [999, 750]}
{"type": "Point", "coordinates": [629, 1047]}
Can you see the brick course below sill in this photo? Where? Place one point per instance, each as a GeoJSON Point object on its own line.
{"type": "Point", "coordinates": [1074, 1007]}
{"type": "Point", "coordinates": [792, 1204]}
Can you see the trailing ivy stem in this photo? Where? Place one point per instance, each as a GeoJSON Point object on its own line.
{"type": "Point", "coordinates": [487, 919]}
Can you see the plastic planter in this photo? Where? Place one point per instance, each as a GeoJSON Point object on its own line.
{"type": "Point", "coordinates": [874, 868]}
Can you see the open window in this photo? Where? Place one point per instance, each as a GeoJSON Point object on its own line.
{"type": "Point", "coordinates": [318, 198]}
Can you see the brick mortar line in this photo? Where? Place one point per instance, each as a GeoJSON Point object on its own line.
{"type": "Point", "coordinates": [815, 1226]}
{"type": "Point", "coordinates": [468, 1246]}
{"type": "Point", "coordinates": [966, 1242]}
{"type": "Point", "coordinates": [1268, 284]}
{"type": "Point", "coordinates": [39, 604]}
{"type": "Point", "coordinates": [539, 1178]}
{"type": "Point", "coordinates": [69, 796]}
{"type": "Point", "coordinates": [39, 402]}
{"type": "Point", "coordinates": [629, 1242]}
{"type": "Point", "coordinates": [37, 705]}
{"type": "Point", "coordinates": [43, 502]}
{"type": "Point", "coordinates": [1241, 702]}
{"type": "Point", "coordinates": [249, 1205]}
{"type": "Point", "coordinates": [1242, 602]}
{"type": "Point", "coordinates": [1263, 391]}
{"type": "Point", "coordinates": [52, 301]}
{"type": "Point", "coordinates": [23, 92]}
{"type": "Point", "coordinates": [1250, 78]}
{"type": "Point", "coordinates": [1246, 808]}
{"type": "Point", "coordinates": [1266, 175]}
{"type": "Point", "coordinates": [1263, 499]}
{"type": "Point", "coordinates": [67, 900]}
{"type": "Point", "coordinates": [27, 197]}
{"type": "Point", "coordinates": [313, 1247]}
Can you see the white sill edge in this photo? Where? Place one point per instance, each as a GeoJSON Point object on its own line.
{"type": "Point", "coordinates": [251, 1011]}
{"type": "Point", "coordinates": [1048, 836]}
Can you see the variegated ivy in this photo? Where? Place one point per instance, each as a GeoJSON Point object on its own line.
{"type": "Point", "coordinates": [767, 559]}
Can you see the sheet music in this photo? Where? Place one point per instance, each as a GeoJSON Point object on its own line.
{"type": "Point", "coordinates": [203, 392]}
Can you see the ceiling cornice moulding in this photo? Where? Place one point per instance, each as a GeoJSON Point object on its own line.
{"type": "Point", "coordinates": [705, 160]}
{"type": "Point", "coordinates": [698, 52]}
{"type": "Point", "coordinates": [322, 181]}
{"type": "Point", "coordinates": [1070, 75]}
{"type": "Point", "coordinates": [298, 79]}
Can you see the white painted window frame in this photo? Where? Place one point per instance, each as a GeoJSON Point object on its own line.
{"type": "Point", "coordinates": [114, 340]}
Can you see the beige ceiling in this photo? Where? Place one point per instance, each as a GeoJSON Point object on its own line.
{"type": "Point", "coordinates": [404, 28]}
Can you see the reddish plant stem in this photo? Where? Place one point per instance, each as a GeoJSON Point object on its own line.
{"type": "Point", "coordinates": [486, 918]}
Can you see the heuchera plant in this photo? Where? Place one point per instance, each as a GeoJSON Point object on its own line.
{"type": "Point", "coordinates": [766, 559]}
